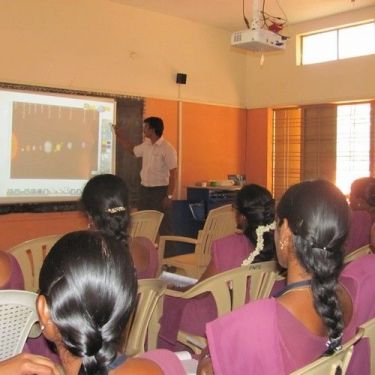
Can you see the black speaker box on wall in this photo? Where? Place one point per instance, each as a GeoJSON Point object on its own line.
{"type": "Point", "coordinates": [181, 78]}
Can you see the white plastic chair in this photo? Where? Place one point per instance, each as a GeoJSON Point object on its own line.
{"type": "Point", "coordinates": [18, 320]}
{"type": "Point", "coordinates": [144, 322]}
{"type": "Point", "coordinates": [364, 250]}
{"type": "Point", "coordinates": [329, 365]}
{"type": "Point", "coordinates": [145, 223]}
{"type": "Point", "coordinates": [369, 332]}
{"type": "Point", "coordinates": [220, 222]}
{"type": "Point", "coordinates": [230, 290]}
{"type": "Point", "coordinates": [30, 256]}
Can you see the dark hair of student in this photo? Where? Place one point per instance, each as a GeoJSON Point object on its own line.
{"type": "Point", "coordinates": [257, 205]}
{"type": "Point", "coordinates": [369, 193]}
{"type": "Point", "coordinates": [155, 123]}
{"type": "Point", "coordinates": [90, 286]}
{"type": "Point", "coordinates": [105, 199]}
{"type": "Point", "coordinates": [358, 187]}
{"type": "Point", "coordinates": [318, 216]}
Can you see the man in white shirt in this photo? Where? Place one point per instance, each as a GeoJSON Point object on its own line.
{"type": "Point", "coordinates": [159, 169]}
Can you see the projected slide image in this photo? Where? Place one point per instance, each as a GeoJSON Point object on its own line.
{"type": "Point", "coordinates": [53, 142]}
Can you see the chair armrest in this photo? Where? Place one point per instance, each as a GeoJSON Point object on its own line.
{"type": "Point", "coordinates": [173, 293]}
{"type": "Point", "coordinates": [163, 239]}
{"type": "Point", "coordinates": [193, 291]}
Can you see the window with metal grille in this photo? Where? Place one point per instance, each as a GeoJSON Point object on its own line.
{"type": "Point", "coordinates": [332, 142]}
{"type": "Point", "coordinates": [337, 44]}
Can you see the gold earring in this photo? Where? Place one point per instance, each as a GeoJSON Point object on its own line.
{"type": "Point", "coordinates": [282, 245]}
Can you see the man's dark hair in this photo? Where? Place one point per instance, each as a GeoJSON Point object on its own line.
{"type": "Point", "coordinates": [155, 123]}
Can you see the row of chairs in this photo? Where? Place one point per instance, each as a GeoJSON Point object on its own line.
{"type": "Point", "coordinates": [19, 318]}
{"type": "Point", "coordinates": [220, 222]}
{"type": "Point", "coordinates": [229, 289]}
{"type": "Point", "coordinates": [31, 254]}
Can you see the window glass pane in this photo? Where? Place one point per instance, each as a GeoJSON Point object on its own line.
{"type": "Point", "coordinates": [319, 47]}
{"type": "Point", "coordinates": [357, 41]}
{"type": "Point", "coordinates": [353, 144]}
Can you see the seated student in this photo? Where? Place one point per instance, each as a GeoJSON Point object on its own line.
{"type": "Point", "coordinates": [315, 312]}
{"type": "Point", "coordinates": [88, 290]}
{"type": "Point", "coordinates": [254, 209]}
{"type": "Point", "coordinates": [362, 198]}
{"type": "Point", "coordinates": [362, 194]}
{"type": "Point", "coordinates": [105, 201]}
{"type": "Point", "coordinates": [11, 278]}
{"type": "Point", "coordinates": [10, 272]}
{"type": "Point", "coordinates": [360, 224]}
{"type": "Point", "coordinates": [23, 364]}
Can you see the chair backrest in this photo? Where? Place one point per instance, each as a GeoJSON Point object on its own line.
{"type": "Point", "coordinates": [364, 250]}
{"type": "Point", "coordinates": [145, 223]}
{"type": "Point", "coordinates": [30, 256]}
{"type": "Point", "coordinates": [220, 222]}
{"type": "Point", "coordinates": [230, 288]}
{"type": "Point", "coordinates": [336, 363]}
{"type": "Point", "coordinates": [18, 320]}
{"type": "Point", "coordinates": [369, 332]}
{"type": "Point", "coordinates": [149, 293]}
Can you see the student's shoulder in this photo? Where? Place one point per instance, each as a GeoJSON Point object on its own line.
{"type": "Point", "coordinates": [5, 267]}
{"type": "Point", "coordinates": [138, 366]}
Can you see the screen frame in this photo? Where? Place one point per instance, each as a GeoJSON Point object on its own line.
{"type": "Point", "coordinates": [38, 204]}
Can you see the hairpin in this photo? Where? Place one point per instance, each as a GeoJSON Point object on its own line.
{"type": "Point", "coordinates": [114, 210]}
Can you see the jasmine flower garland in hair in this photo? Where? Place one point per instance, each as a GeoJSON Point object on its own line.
{"type": "Point", "coordinates": [261, 229]}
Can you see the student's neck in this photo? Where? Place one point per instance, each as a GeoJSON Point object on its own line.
{"type": "Point", "coordinates": [70, 363]}
{"type": "Point", "coordinates": [296, 273]}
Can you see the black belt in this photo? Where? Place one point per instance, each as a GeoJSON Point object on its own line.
{"type": "Point", "coordinates": [154, 187]}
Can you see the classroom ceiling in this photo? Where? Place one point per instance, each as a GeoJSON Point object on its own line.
{"type": "Point", "coordinates": [227, 14]}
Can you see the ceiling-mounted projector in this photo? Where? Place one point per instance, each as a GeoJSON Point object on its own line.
{"type": "Point", "coordinates": [257, 40]}
{"type": "Point", "coordinates": [258, 37]}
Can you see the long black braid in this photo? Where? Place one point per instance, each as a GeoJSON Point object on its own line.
{"type": "Point", "coordinates": [318, 216]}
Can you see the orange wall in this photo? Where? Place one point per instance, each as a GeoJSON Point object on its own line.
{"type": "Point", "coordinates": [213, 138]}
{"type": "Point", "coordinates": [214, 142]}
{"type": "Point", "coordinates": [259, 147]}
{"type": "Point", "coordinates": [16, 228]}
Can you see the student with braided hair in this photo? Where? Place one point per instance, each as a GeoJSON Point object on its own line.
{"type": "Point", "coordinates": [255, 213]}
{"type": "Point", "coordinates": [88, 290]}
{"type": "Point", "coordinates": [105, 201]}
{"type": "Point", "coordinates": [315, 313]}
{"type": "Point", "coordinates": [254, 209]}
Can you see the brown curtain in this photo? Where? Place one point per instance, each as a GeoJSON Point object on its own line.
{"type": "Point", "coordinates": [286, 149]}
{"type": "Point", "coordinates": [319, 142]}
{"type": "Point", "coordinates": [304, 145]}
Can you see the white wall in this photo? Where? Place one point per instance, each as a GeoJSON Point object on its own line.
{"type": "Point", "coordinates": [101, 45]}
{"type": "Point", "coordinates": [280, 82]}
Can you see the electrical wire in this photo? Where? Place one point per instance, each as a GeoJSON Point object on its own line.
{"type": "Point", "coordinates": [282, 10]}
{"type": "Point", "coordinates": [263, 14]}
{"type": "Point", "coordinates": [273, 23]}
{"type": "Point", "coordinates": [244, 16]}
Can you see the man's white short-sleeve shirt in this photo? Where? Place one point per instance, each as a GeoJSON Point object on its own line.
{"type": "Point", "coordinates": [157, 160]}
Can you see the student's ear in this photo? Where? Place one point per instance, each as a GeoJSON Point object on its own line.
{"type": "Point", "coordinates": [284, 243]}
{"type": "Point", "coordinates": [49, 329]}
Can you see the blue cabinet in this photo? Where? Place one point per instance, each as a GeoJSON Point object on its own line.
{"type": "Point", "coordinates": [203, 199]}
